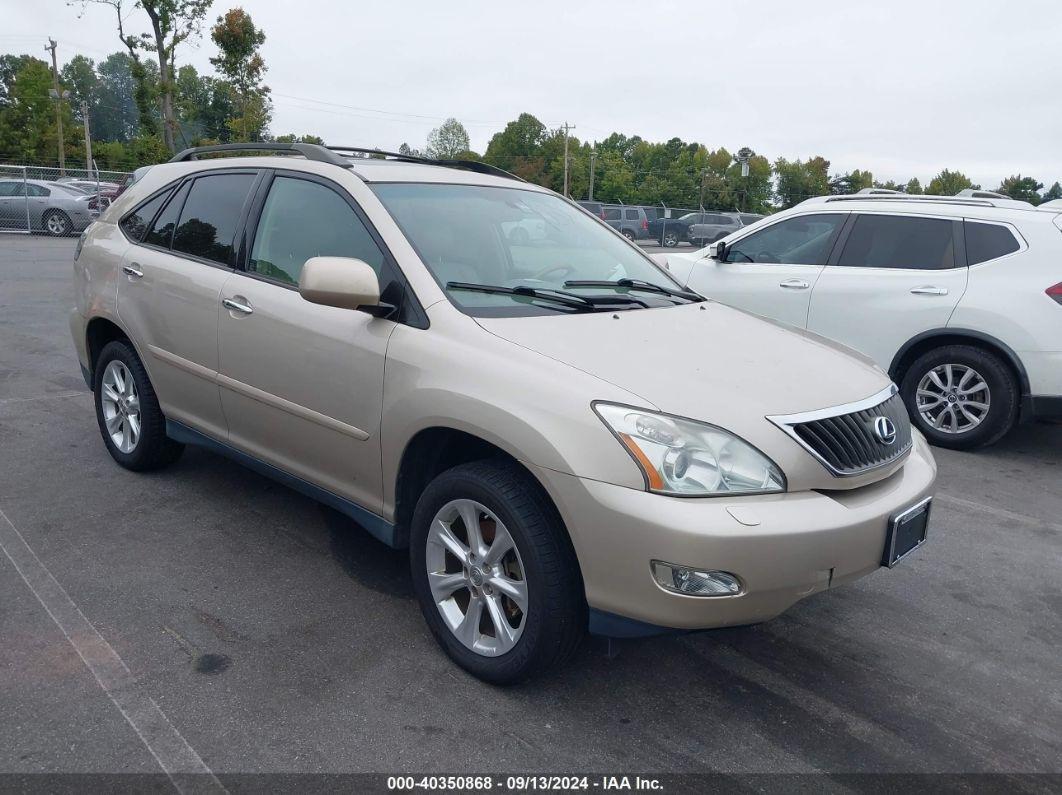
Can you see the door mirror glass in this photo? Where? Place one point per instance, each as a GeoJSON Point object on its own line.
{"type": "Point", "coordinates": [717, 251]}
{"type": "Point", "coordinates": [342, 282]}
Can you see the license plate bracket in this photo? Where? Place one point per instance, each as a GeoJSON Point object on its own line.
{"type": "Point", "coordinates": [906, 532]}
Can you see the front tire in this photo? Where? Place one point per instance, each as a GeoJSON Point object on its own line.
{"type": "Point", "coordinates": [627, 233]}
{"type": "Point", "coordinates": [670, 240]}
{"type": "Point", "coordinates": [127, 410]}
{"type": "Point", "coordinates": [961, 397]}
{"type": "Point", "coordinates": [495, 573]}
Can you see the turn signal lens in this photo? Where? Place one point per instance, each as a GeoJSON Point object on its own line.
{"type": "Point", "coordinates": [694, 582]}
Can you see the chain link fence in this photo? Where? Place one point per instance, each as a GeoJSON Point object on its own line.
{"type": "Point", "coordinates": [43, 199]}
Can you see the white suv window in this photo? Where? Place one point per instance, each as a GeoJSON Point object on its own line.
{"type": "Point", "coordinates": [800, 240]}
{"type": "Point", "coordinates": [988, 241]}
{"type": "Point", "coordinates": [900, 241]}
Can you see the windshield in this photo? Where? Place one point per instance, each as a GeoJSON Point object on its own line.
{"type": "Point", "coordinates": [514, 238]}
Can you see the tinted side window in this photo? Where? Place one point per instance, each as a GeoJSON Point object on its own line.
{"type": "Point", "coordinates": [631, 215]}
{"type": "Point", "coordinates": [892, 241]}
{"type": "Point", "coordinates": [211, 212]}
{"type": "Point", "coordinates": [750, 219]}
{"type": "Point", "coordinates": [38, 190]}
{"type": "Point", "coordinates": [612, 214]}
{"type": "Point", "coordinates": [303, 219]}
{"type": "Point", "coordinates": [162, 230]}
{"type": "Point", "coordinates": [135, 224]}
{"type": "Point", "coordinates": [988, 241]}
{"type": "Point", "coordinates": [8, 188]}
{"type": "Point", "coordinates": [802, 240]}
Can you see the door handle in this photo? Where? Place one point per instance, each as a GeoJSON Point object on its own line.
{"type": "Point", "coordinates": [133, 270]}
{"type": "Point", "coordinates": [928, 290]}
{"type": "Point", "coordinates": [794, 284]}
{"type": "Point", "coordinates": [236, 306]}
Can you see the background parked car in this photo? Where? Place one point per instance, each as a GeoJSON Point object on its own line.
{"type": "Point", "coordinates": [718, 225]}
{"type": "Point", "coordinates": [632, 222]}
{"type": "Point", "coordinates": [672, 231]}
{"type": "Point", "coordinates": [594, 208]}
{"type": "Point", "coordinates": [52, 207]}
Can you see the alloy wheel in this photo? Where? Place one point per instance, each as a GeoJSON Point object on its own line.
{"type": "Point", "coordinates": [56, 224]}
{"type": "Point", "coordinates": [477, 577]}
{"type": "Point", "coordinates": [121, 406]}
{"type": "Point", "coordinates": [953, 398]}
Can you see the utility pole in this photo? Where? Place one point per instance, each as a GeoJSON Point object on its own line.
{"type": "Point", "coordinates": [566, 128]}
{"type": "Point", "coordinates": [88, 138]}
{"type": "Point", "coordinates": [593, 157]}
{"type": "Point", "coordinates": [704, 176]}
{"type": "Point", "coordinates": [58, 106]}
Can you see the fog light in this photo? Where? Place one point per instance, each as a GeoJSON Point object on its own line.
{"type": "Point", "coordinates": [694, 582]}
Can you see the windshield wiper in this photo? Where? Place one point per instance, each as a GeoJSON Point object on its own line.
{"type": "Point", "coordinates": [582, 303]}
{"type": "Point", "coordinates": [637, 284]}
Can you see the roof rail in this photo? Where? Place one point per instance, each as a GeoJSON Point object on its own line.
{"type": "Point", "coordinates": [856, 197]}
{"type": "Point", "coordinates": [977, 193]}
{"type": "Point", "coordinates": [328, 154]}
{"type": "Point", "coordinates": [310, 151]}
{"type": "Point", "coordinates": [467, 165]}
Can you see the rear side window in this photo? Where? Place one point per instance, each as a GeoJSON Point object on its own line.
{"type": "Point", "coordinates": [631, 215]}
{"type": "Point", "coordinates": [162, 230]}
{"type": "Point", "coordinates": [210, 215]}
{"type": "Point", "coordinates": [894, 241]}
{"type": "Point", "coordinates": [303, 219]}
{"type": "Point", "coordinates": [612, 214]}
{"type": "Point", "coordinates": [802, 240]}
{"type": "Point", "coordinates": [988, 241]}
{"type": "Point", "coordinates": [37, 190]}
{"type": "Point", "coordinates": [135, 223]}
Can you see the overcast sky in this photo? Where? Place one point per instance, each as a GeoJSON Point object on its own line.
{"type": "Point", "coordinates": [902, 88]}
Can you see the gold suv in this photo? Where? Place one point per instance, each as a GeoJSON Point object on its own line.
{"type": "Point", "coordinates": [476, 369]}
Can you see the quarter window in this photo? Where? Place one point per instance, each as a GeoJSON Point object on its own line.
{"type": "Point", "coordinates": [893, 241]}
{"type": "Point", "coordinates": [303, 219]}
{"type": "Point", "coordinates": [37, 190]}
{"type": "Point", "coordinates": [801, 240]}
{"type": "Point", "coordinates": [135, 224]}
{"type": "Point", "coordinates": [210, 216]}
{"type": "Point", "coordinates": [162, 230]}
{"type": "Point", "coordinates": [988, 241]}
{"type": "Point", "coordinates": [631, 215]}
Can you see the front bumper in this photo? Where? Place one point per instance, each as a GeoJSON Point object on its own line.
{"type": "Point", "coordinates": [783, 546]}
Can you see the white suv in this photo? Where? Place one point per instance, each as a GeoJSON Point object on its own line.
{"type": "Point", "coordinates": [959, 298]}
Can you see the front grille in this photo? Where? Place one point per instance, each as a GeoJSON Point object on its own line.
{"type": "Point", "coordinates": [845, 440]}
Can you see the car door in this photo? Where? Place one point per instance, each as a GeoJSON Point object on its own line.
{"type": "Point", "coordinates": [771, 271]}
{"type": "Point", "coordinates": [12, 205]}
{"type": "Point", "coordinates": [301, 383]}
{"type": "Point", "coordinates": [892, 277]}
{"type": "Point", "coordinates": [170, 289]}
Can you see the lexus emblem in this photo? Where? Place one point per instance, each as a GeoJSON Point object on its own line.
{"type": "Point", "coordinates": [884, 430]}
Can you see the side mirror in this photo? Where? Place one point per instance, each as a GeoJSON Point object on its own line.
{"type": "Point", "coordinates": [341, 282]}
{"type": "Point", "coordinates": [661, 260]}
{"type": "Point", "coordinates": [717, 251]}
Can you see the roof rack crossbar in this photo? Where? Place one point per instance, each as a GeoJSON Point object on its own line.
{"type": "Point", "coordinates": [310, 151]}
{"type": "Point", "coordinates": [468, 165]}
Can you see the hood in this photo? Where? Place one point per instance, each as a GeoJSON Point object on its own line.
{"type": "Point", "coordinates": [706, 362]}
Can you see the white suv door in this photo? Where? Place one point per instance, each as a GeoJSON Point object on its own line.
{"type": "Point", "coordinates": [771, 271]}
{"type": "Point", "coordinates": [893, 276]}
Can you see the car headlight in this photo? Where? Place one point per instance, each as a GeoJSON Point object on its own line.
{"type": "Point", "coordinates": [688, 458]}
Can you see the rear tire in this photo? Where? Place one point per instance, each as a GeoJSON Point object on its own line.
{"type": "Point", "coordinates": [504, 498]}
{"type": "Point", "coordinates": [961, 397]}
{"type": "Point", "coordinates": [57, 223]}
{"type": "Point", "coordinates": [627, 233]}
{"type": "Point", "coordinates": [127, 410]}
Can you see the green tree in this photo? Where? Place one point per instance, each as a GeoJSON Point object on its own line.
{"type": "Point", "coordinates": [10, 65]}
{"type": "Point", "coordinates": [448, 140]}
{"type": "Point", "coordinates": [172, 22]}
{"type": "Point", "coordinates": [852, 182]}
{"type": "Point", "coordinates": [913, 186]}
{"type": "Point", "coordinates": [1054, 192]}
{"type": "Point", "coordinates": [115, 116]}
{"type": "Point", "coordinates": [239, 60]}
{"type": "Point", "coordinates": [27, 122]}
{"type": "Point", "coordinates": [299, 139]}
{"type": "Point", "coordinates": [406, 149]}
{"type": "Point", "coordinates": [798, 180]}
{"type": "Point", "coordinates": [1024, 189]}
{"type": "Point", "coordinates": [79, 77]}
{"type": "Point", "coordinates": [948, 183]}
{"type": "Point", "coordinates": [518, 148]}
